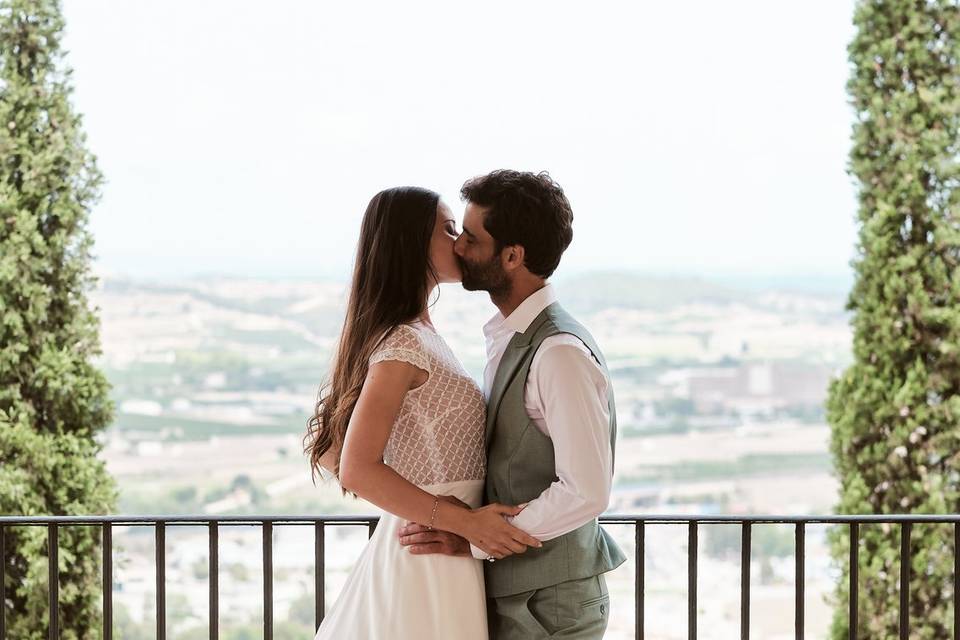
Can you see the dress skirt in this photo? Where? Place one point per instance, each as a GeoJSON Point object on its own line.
{"type": "Point", "coordinates": [393, 594]}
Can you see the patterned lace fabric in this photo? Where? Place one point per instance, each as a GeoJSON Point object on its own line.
{"type": "Point", "coordinates": [438, 435]}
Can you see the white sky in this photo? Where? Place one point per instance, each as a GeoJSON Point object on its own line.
{"type": "Point", "coordinates": [246, 138]}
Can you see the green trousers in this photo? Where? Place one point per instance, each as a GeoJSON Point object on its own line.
{"type": "Point", "coordinates": [576, 609]}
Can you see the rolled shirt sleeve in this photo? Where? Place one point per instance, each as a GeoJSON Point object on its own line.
{"type": "Point", "coordinates": [569, 390]}
{"type": "Point", "coordinates": [566, 397]}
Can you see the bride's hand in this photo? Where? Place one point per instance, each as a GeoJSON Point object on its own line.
{"type": "Point", "coordinates": [488, 529]}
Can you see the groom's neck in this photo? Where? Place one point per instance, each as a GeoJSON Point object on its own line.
{"type": "Point", "coordinates": [521, 288]}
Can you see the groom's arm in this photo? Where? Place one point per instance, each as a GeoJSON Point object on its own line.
{"type": "Point", "coordinates": [568, 389]}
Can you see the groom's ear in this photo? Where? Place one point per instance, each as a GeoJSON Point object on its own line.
{"type": "Point", "coordinates": [512, 257]}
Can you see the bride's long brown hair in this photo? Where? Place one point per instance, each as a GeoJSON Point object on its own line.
{"type": "Point", "coordinates": [392, 275]}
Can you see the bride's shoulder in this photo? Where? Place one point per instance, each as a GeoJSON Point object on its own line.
{"type": "Point", "coordinates": [402, 342]}
{"type": "Point", "coordinates": [401, 335]}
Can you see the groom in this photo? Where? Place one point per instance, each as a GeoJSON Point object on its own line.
{"type": "Point", "coordinates": [551, 422]}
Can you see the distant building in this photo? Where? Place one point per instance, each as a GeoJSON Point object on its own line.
{"type": "Point", "coordinates": [758, 386]}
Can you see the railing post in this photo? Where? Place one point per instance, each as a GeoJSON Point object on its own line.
{"type": "Point", "coordinates": [268, 581]}
{"type": "Point", "coordinates": [956, 581]}
{"type": "Point", "coordinates": [639, 544]}
{"type": "Point", "coordinates": [905, 530]}
{"type": "Point", "coordinates": [692, 581]}
{"type": "Point", "coordinates": [213, 580]}
{"type": "Point", "coordinates": [800, 556]}
{"type": "Point", "coordinates": [161, 562]}
{"type": "Point", "coordinates": [107, 570]}
{"type": "Point", "coordinates": [854, 578]}
{"type": "Point", "coordinates": [53, 575]}
{"type": "Point", "coordinates": [3, 581]}
{"type": "Point", "coordinates": [319, 571]}
{"type": "Point", "coordinates": [745, 581]}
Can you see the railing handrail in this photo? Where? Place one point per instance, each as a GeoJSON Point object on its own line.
{"type": "Point", "coordinates": [335, 519]}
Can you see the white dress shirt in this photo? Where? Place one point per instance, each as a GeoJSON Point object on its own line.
{"type": "Point", "coordinates": [566, 397]}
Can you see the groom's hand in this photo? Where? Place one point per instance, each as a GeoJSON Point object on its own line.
{"type": "Point", "coordinates": [421, 541]}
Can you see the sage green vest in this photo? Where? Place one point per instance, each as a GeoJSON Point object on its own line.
{"type": "Point", "coordinates": [520, 466]}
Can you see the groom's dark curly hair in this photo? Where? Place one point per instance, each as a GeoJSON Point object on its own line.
{"type": "Point", "coordinates": [526, 209]}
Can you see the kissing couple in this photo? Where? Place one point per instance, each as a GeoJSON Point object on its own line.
{"type": "Point", "coordinates": [490, 496]}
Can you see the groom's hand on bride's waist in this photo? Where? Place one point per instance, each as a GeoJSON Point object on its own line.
{"type": "Point", "coordinates": [420, 540]}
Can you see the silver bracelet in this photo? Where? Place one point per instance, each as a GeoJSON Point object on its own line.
{"type": "Point", "coordinates": [436, 503]}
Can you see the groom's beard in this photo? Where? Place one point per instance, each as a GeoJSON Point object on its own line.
{"type": "Point", "coordinates": [486, 276]}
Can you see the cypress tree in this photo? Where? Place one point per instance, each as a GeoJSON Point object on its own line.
{"type": "Point", "coordinates": [895, 412]}
{"type": "Point", "coordinates": [53, 401]}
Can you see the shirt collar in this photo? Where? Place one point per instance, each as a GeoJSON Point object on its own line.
{"type": "Point", "coordinates": [519, 321]}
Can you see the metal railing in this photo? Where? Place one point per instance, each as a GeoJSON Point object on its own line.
{"type": "Point", "coordinates": [320, 523]}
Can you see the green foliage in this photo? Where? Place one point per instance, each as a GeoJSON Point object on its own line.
{"type": "Point", "coordinates": [895, 411]}
{"type": "Point", "coordinates": [302, 610]}
{"type": "Point", "coordinates": [53, 401]}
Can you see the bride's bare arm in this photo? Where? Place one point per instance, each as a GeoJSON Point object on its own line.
{"type": "Point", "coordinates": [363, 471]}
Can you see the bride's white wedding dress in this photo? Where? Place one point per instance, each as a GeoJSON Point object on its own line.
{"type": "Point", "coordinates": [437, 444]}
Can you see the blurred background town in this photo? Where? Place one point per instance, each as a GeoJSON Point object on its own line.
{"type": "Point", "coordinates": [719, 383]}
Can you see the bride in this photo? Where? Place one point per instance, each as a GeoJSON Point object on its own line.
{"type": "Point", "coordinates": [400, 424]}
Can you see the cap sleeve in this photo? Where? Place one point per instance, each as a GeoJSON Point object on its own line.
{"type": "Point", "coordinates": [403, 344]}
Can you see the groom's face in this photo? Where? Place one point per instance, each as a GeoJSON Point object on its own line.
{"type": "Point", "coordinates": [477, 252]}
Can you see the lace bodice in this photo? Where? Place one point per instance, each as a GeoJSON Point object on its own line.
{"type": "Point", "coordinates": [438, 436]}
